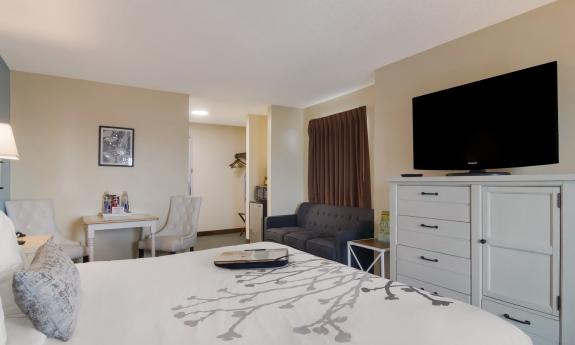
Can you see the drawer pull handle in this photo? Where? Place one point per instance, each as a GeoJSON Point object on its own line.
{"type": "Point", "coordinates": [526, 322]}
{"type": "Point", "coordinates": [429, 226]}
{"type": "Point", "coordinates": [433, 194]}
{"type": "Point", "coordinates": [427, 259]}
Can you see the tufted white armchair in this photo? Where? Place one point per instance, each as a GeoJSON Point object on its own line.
{"type": "Point", "coordinates": [181, 230]}
{"type": "Point", "coordinates": [36, 217]}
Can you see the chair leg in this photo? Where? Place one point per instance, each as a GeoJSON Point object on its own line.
{"type": "Point", "coordinates": [191, 249]}
{"type": "Point", "coordinates": [85, 258]}
{"type": "Point", "coordinates": [140, 253]}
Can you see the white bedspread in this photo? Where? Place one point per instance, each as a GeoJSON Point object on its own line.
{"type": "Point", "coordinates": [185, 299]}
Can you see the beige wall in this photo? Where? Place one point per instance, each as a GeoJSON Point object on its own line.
{"type": "Point", "coordinates": [221, 187]}
{"type": "Point", "coordinates": [257, 147]}
{"type": "Point", "coordinates": [540, 36]}
{"type": "Point", "coordinates": [257, 151]}
{"type": "Point", "coordinates": [285, 159]}
{"type": "Point", "coordinates": [56, 124]}
{"type": "Point", "coordinates": [359, 98]}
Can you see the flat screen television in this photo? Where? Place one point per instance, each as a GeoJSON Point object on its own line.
{"type": "Point", "coordinates": [506, 121]}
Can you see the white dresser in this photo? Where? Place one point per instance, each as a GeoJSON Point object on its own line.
{"type": "Point", "coordinates": [503, 243]}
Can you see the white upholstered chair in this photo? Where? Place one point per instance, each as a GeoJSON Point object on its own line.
{"type": "Point", "coordinates": [36, 217]}
{"type": "Point", "coordinates": [181, 230]}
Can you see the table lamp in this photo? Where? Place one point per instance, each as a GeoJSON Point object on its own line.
{"type": "Point", "coordinates": [8, 149]}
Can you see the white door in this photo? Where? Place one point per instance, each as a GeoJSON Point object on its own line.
{"type": "Point", "coordinates": [521, 229]}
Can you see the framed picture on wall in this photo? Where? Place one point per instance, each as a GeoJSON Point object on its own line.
{"type": "Point", "coordinates": [116, 146]}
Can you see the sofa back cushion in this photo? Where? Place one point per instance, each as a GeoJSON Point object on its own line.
{"type": "Point", "coordinates": [331, 219]}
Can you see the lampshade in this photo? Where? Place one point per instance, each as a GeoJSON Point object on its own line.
{"type": "Point", "coordinates": [8, 148]}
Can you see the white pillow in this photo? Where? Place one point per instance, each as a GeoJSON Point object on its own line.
{"type": "Point", "coordinates": [10, 262]}
{"type": "Point", "coordinates": [2, 327]}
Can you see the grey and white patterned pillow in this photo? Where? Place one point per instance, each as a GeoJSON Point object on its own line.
{"type": "Point", "coordinates": [49, 292]}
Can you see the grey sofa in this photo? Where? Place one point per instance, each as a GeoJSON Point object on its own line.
{"type": "Point", "coordinates": [319, 229]}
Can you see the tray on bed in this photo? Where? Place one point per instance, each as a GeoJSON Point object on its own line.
{"type": "Point", "coordinates": [252, 258]}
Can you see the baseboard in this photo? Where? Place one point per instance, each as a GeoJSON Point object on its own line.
{"type": "Point", "coordinates": [221, 232]}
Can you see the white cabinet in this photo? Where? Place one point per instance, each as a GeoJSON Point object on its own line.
{"type": "Point", "coordinates": [503, 243]}
{"type": "Point", "coordinates": [432, 242]}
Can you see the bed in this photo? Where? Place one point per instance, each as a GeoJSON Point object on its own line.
{"type": "Point", "coordinates": [185, 299]}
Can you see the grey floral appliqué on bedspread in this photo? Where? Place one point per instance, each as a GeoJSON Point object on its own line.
{"type": "Point", "coordinates": [333, 287]}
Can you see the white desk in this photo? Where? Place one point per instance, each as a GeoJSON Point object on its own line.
{"type": "Point", "coordinates": [97, 223]}
{"type": "Point", "coordinates": [377, 246]}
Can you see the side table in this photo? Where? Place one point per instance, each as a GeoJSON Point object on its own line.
{"type": "Point", "coordinates": [99, 223]}
{"type": "Point", "coordinates": [373, 244]}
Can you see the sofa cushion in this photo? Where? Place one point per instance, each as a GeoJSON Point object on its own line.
{"type": "Point", "coordinates": [297, 239]}
{"type": "Point", "coordinates": [277, 234]}
{"type": "Point", "coordinates": [332, 219]}
{"type": "Point", "coordinates": [324, 247]}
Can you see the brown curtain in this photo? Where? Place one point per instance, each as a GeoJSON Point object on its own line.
{"type": "Point", "coordinates": [338, 169]}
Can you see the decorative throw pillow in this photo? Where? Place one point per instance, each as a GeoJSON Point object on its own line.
{"type": "Point", "coordinates": [2, 327]}
{"type": "Point", "coordinates": [10, 262]}
{"type": "Point", "coordinates": [49, 292]}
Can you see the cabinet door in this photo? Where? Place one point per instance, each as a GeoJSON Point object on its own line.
{"type": "Point", "coordinates": [521, 229]}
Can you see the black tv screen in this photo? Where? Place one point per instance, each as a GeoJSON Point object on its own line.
{"type": "Point", "coordinates": [501, 122]}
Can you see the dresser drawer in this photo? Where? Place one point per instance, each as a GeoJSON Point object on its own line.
{"type": "Point", "coordinates": [434, 289]}
{"type": "Point", "coordinates": [449, 203]}
{"type": "Point", "coordinates": [456, 195]}
{"type": "Point", "coordinates": [436, 210]}
{"type": "Point", "coordinates": [543, 330]}
{"type": "Point", "coordinates": [447, 271]}
{"type": "Point", "coordinates": [435, 235]}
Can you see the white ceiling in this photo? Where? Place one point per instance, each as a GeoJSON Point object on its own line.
{"type": "Point", "coordinates": [235, 56]}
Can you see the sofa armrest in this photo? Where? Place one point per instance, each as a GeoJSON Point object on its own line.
{"type": "Point", "coordinates": [280, 221]}
{"type": "Point", "coordinates": [342, 237]}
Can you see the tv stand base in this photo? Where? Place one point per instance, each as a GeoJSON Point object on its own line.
{"type": "Point", "coordinates": [479, 173]}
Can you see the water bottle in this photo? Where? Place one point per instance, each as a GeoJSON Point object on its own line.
{"type": "Point", "coordinates": [106, 206]}
{"type": "Point", "coordinates": [125, 202]}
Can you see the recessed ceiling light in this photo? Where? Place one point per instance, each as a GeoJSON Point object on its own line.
{"type": "Point", "coordinates": [200, 112]}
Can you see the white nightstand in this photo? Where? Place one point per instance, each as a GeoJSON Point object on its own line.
{"type": "Point", "coordinates": [31, 245]}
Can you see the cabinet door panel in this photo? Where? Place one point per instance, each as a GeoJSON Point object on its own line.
{"type": "Point", "coordinates": [521, 253]}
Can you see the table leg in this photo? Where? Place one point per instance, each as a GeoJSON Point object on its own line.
{"type": "Point", "coordinates": [153, 237]}
{"type": "Point", "coordinates": [348, 254]}
{"type": "Point", "coordinates": [356, 259]}
{"type": "Point", "coordinates": [90, 242]}
{"type": "Point", "coordinates": [382, 263]}
{"type": "Point", "coordinates": [375, 260]}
